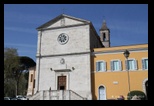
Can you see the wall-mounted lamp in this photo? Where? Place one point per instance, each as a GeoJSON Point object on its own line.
{"type": "Point", "coordinates": [51, 69]}
{"type": "Point", "coordinates": [73, 68]}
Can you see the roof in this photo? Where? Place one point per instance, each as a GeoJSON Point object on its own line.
{"type": "Point", "coordinates": [104, 26]}
{"type": "Point", "coordinates": [123, 47]}
{"type": "Point", "coordinates": [52, 21]}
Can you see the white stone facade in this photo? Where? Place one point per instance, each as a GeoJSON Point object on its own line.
{"type": "Point", "coordinates": [78, 41]}
{"type": "Point", "coordinates": [77, 80]}
{"type": "Point", "coordinates": [75, 53]}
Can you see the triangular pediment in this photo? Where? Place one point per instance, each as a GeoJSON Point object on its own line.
{"type": "Point", "coordinates": [62, 21]}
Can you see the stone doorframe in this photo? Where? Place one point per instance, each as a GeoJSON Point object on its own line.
{"type": "Point", "coordinates": [61, 82]}
{"type": "Point", "coordinates": [62, 73]}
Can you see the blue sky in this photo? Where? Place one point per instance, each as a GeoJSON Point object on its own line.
{"type": "Point", "coordinates": [128, 23]}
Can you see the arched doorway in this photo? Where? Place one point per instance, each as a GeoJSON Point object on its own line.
{"type": "Point", "coordinates": [102, 93]}
{"type": "Point", "coordinates": [146, 88]}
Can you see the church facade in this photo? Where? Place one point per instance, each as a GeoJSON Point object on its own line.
{"type": "Point", "coordinates": [68, 51]}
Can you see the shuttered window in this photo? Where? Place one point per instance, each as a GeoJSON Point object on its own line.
{"type": "Point", "coordinates": [145, 64]}
{"type": "Point", "coordinates": [131, 64]}
{"type": "Point", "coordinates": [115, 65]}
{"type": "Point", "coordinates": [101, 66]}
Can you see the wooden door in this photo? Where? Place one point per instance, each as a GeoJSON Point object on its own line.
{"type": "Point", "coordinates": [61, 82]}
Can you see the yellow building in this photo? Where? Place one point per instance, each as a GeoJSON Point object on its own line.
{"type": "Point", "coordinates": [31, 80]}
{"type": "Point", "coordinates": [111, 77]}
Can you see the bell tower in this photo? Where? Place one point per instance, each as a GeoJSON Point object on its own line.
{"type": "Point", "coordinates": [105, 35]}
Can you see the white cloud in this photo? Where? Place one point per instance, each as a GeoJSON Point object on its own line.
{"type": "Point", "coordinates": [26, 52]}
{"type": "Point", "coordinates": [19, 17]}
{"type": "Point", "coordinates": [20, 29]}
{"type": "Point", "coordinates": [20, 45]}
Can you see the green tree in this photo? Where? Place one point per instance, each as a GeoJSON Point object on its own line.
{"type": "Point", "coordinates": [27, 63]}
{"type": "Point", "coordinates": [138, 93]}
{"type": "Point", "coordinates": [15, 72]}
{"type": "Point", "coordinates": [11, 63]}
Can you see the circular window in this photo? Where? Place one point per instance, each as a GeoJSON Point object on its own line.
{"type": "Point", "coordinates": [63, 38]}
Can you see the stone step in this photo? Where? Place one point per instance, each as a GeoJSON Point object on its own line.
{"type": "Point", "coordinates": [56, 95]}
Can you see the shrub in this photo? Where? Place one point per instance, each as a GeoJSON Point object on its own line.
{"type": "Point", "coordinates": [138, 93]}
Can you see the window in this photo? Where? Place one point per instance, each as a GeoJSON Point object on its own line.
{"type": "Point", "coordinates": [116, 65]}
{"type": "Point", "coordinates": [104, 37]}
{"type": "Point", "coordinates": [131, 64]}
{"type": "Point", "coordinates": [31, 78]}
{"type": "Point", "coordinates": [101, 66]}
{"type": "Point", "coordinates": [34, 84]}
{"type": "Point", "coordinates": [145, 64]}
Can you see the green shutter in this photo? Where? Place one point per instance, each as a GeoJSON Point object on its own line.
{"type": "Point", "coordinates": [120, 65]}
{"type": "Point", "coordinates": [143, 64]}
{"type": "Point", "coordinates": [135, 61]}
{"type": "Point", "coordinates": [126, 64]}
{"type": "Point", "coordinates": [104, 66]}
{"type": "Point", "coordinates": [111, 65]}
{"type": "Point", "coordinates": [97, 66]}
